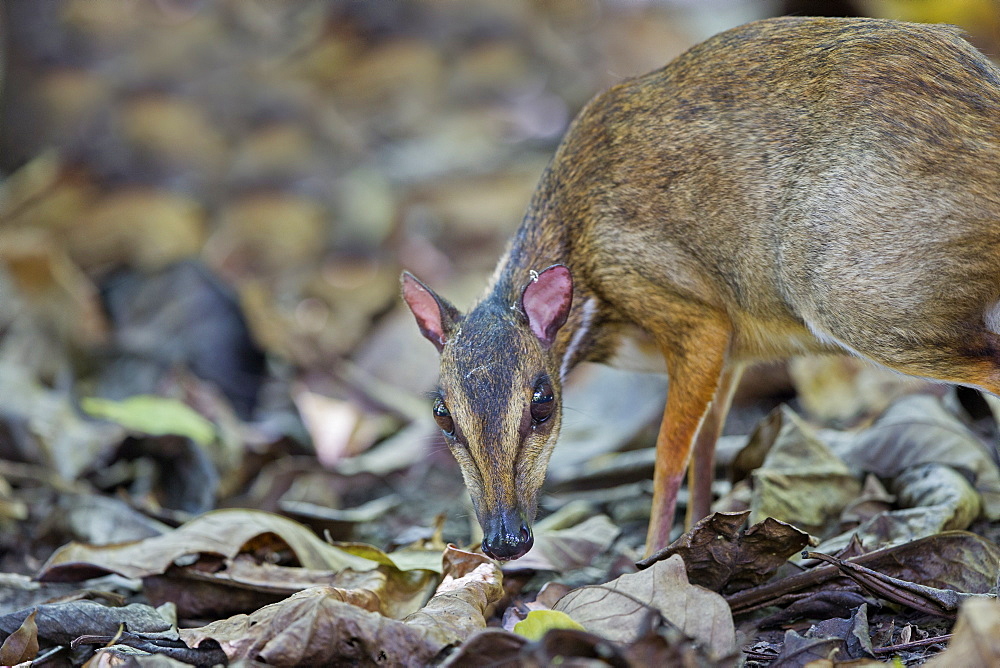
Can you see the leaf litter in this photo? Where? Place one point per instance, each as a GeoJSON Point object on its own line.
{"type": "Point", "coordinates": [213, 442]}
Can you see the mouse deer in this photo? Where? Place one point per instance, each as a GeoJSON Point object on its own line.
{"type": "Point", "coordinates": [791, 186]}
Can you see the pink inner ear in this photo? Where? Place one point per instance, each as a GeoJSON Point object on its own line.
{"type": "Point", "coordinates": [546, 301]}
{"type": "Point", "coordinates": [425, 309]}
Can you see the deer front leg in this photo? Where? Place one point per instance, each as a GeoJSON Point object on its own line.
{"type": "Point", "coordinates": [696, 365]}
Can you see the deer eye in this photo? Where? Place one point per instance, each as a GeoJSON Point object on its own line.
{"type": "Point", "coordinates": [542, 401]}
{"type": "Point", "coordinates": [443, 416]}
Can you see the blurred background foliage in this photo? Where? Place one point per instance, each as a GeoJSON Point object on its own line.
{"type": "Point", "coordinates": [304, 151]}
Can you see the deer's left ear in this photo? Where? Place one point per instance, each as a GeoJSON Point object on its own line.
{"type": "Point", "coordinates": [546, 300]}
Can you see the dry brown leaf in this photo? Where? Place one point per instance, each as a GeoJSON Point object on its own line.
{"type": "Point", "coordinates": [934, 485]}
{"type": "Point", "coordinates": [124, 656]}
{"type": "Point", "coordinates": [471, 585]}
{"type": "Point", "coordinates": [945, 501]}
{"type": "Point", "coordinates": [53, 286]}
{"type": "Point", "coordinates": [72, 96]}
{"type": "Point", "coordinates": [275, 148]}
{"type": "Point", "coordinates": [45, 194]}
{"type": "Point", "coordinates": [799, 651]}
{"type": "Point", "coordinates": [245, 585]}
{"type": "Point", "coordinates": [222, 532]}
{"type": "Point", "coordinates": [663, 646]}
{"type": "Point", "coordinates": [21, 645]}
{"type": "Point", "coordinates": [619, 610]}
{"type": "Point", "coordinates": [615, 615]}
{"type": "Point", "coordinates": [873, 500]}
{"type": "Point", "coordinates": [311, 627]}
{"type": "Point", "coordinates": [315, 627]}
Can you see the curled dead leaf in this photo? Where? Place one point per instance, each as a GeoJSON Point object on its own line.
{"type": "Point", "coordinates": [722, 556]}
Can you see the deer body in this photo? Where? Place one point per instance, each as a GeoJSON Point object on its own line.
{"type": "Point", "coordinates": [791, 186]}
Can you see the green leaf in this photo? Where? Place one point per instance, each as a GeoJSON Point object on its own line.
{"type": "Point", "coordinates": [538, 623]}
{"type": "Point", "coordinates": [152, 415]}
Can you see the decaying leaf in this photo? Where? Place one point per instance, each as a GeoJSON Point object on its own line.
{"type": "Point", "coordinates": [471, 584]}
{"type": "Point", "coordinates": [939, 499]}
{"type": "Point", "coordinates": [873, 500]}
{"type": "Point", "coordinates": [801, 481]}
{"type": "Point", "coordinates": [62, 623]}
{"type": "Point", "coordinates": [314, 626]}
{"type": "Point", "coordinates": [723, 557]}
{"type": "Point", "coordinates": [823, 604]}
{"type": "Point", "coordinates": [918, 430]}
{"type": "Point", "coordinates": [558, 646]}
{"type": "Point", "coordinates": [934, 485]}
{"type": "Point", "coordinates": [854, 632]}
{"type": "Point", "coordinates": [659, 646]}
{"type": "Point", "coordinates": [405, 559]}
{"type": "Point", "coordinates": [146, 650]}
{"type": "Point", "coordinates": [103, 520]}
{"type": "Point", "coordinates": [620, 610]}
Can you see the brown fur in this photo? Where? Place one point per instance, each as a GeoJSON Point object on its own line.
{"type": "Point", "coordinates": [793, 185]}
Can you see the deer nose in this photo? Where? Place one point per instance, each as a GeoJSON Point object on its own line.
{"type": "Point", "coordinates": [507, 537]}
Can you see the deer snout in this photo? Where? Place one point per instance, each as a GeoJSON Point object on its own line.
{"type": "Point", "coordinates": [507, 536]}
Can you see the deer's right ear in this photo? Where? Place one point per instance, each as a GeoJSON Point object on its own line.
{"type": "Point", "coordinates": [435, 316]}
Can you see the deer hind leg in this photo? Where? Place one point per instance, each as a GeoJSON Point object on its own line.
{"type": "Point", "coordinates": [696, 364]}
{"type": "Point", "coordinates": [701, 472]}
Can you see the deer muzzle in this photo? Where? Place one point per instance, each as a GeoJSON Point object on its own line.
{"type": "Point", "coordinates": [507, 535]}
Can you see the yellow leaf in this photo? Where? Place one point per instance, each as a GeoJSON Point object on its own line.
{"type": "Point", "coordinates": [539, 622]}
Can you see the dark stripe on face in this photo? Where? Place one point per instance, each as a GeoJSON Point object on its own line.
{"type": "Point", "coordinates": [494, 360]}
